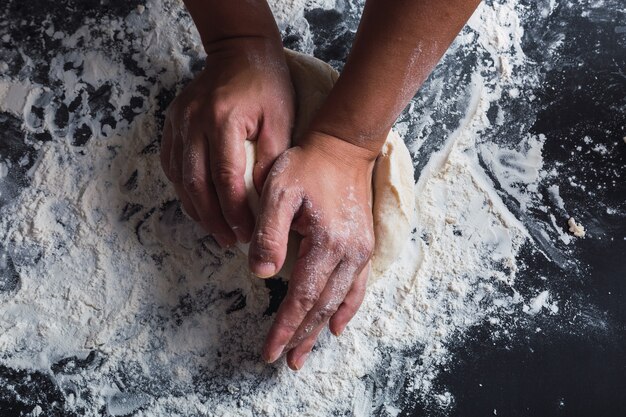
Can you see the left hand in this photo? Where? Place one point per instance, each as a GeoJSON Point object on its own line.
{"type": "Point", "coordinates": [243, 93]}
{"type": "Point", "coordinates": [322, 190]}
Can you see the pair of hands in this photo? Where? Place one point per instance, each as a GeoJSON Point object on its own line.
{"type": "Point", "coordinates": [320, 188]}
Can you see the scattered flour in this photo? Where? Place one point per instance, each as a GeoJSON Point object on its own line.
{"type": "Point", "coordinates": [517, 170]}
{"type": "Point", "coordinates": [540, 302]}
{"type": "Point", "coordinates": [113, 274]}
{"type": "Point", "coordinates": [4, 170]}
{"type": "Point", "coordinates": [556, 196]}
{"type": "Point", "coordinates": [565, 238]}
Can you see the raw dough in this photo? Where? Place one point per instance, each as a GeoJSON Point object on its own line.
{"type": "Point", "coordinates": [392, 181]}
{"type": "Point", "coordinates": [576, 229]}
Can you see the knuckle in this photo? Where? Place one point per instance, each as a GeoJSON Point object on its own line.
{"type": "Point", "coordinates": [194, 184]}
{"type": "Point", "coordinates": [337, 244]}
{"type": "Point", "coordinates": [366, 249]}
{"type": "Point", "coordinates": [305, 302]}
{"type": "Point", "coordinates": [220, 108]}
{"type": "Point", "coordinates": [223, 174]}
{"type": "Point", "coordinates": [323, 239]}
{"type": "Point", "coordinates": [189, 117]}
{"type": "Point", "coordinates": [188, 111]}
{"type": "Point", "coordinates": [326, 311]}
{"type": "Point", "coordinates": [286, 325]}
{"type": "Point", "coordinates": [282, 194]}
{"type": "Point", "coordinates": [182, 113]}
{"type": "Point", "coordinates": [267, 241]}
{"type": "Point", "coordinates": [360, 249]}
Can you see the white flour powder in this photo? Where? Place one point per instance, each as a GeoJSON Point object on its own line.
{"type": "Point", "coordinates": [108, 264]}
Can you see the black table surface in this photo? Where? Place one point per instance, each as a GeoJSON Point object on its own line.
{"type": "Point", "coordinates": [577, 364]}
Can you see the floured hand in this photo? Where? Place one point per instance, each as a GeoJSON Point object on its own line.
{"type": "Point", "coordinates": [322, 190]}
{"type": "Point", "coordinates": [244, 93]}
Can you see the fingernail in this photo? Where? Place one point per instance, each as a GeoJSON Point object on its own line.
{"type": "Point", "coordinates": [339, 331]}
{"type": "Point", "coordinates": [275, 354]}
{"type": "Point", "coordinates": [300, 361]}
{"type": "Point", "coordinates": [265, 270]}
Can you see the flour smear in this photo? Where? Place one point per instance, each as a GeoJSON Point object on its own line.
{"type": "Point", "coordinates": [129, 308]}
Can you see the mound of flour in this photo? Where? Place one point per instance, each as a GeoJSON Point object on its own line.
{"type": "Point", "coordinates": [130, 308]}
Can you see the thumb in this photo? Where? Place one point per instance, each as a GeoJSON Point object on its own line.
{"type": "Point", "coordinates": [271, 142]}
{"type": "Point", "coordinates": [268, 247]}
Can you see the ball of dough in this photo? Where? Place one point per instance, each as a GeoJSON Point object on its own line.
{"type": "Point", "coordinates": [392, 181]}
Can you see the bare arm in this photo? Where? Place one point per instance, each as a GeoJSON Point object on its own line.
{"type": "Point", "coordinates": [220, 20]}
{"type": "Point", "coordinates": [398, 44]}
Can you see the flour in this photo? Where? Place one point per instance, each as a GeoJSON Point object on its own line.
{"type": "Point", "coordinates": [556, 196]}
{"type": "Point", "coordinates": [288, 12]}
{"type": "Point", "coordinates": [136, 310]}
{"type": "Point", "coordinates": [538, 303]}
{"type": "Point", "coordinates": [14, 97]}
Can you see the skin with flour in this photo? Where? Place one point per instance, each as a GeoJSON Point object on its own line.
{"type": "Point", "coordinates": [393, 202]}
{"type": "Point", "coordinates": [321, 188]}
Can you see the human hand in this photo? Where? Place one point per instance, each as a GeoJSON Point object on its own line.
{"type": "Point", "coordinates": [322, 190]}
{"type": "Point", "coordinates": [243, 93]}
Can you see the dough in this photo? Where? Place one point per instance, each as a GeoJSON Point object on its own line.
{"type": "Point", "coordinates": [576, 229]}
{"type": "Point", "coordinates": [392, 182]}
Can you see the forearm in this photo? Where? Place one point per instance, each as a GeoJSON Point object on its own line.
{"type": "Point", "coordinates": [222, 20]}
{"type": "Point", "coordinates": [398, 43]}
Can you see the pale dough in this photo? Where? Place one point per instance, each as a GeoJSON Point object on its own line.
{"type": "Point", "coordinates": [575, 228]}
{"type": "Point", "coordinates": [393, 188]}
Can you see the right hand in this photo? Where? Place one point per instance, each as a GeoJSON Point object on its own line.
{"type": "Point", "coordinates": [321, 189]}
{"type": "Point", "coordinates": [243, 93]}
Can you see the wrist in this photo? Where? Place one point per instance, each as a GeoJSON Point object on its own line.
{"type": "Point", "coordinates": [348, 122]}
{"type": "Point", "coordinates": [218, 20]}
{"type": "Point", "coordinates": [341, 151]}
{"type": "Point", "coordinates": [364, 145]}
{"type": "Point", "coordinates": [245, 46]}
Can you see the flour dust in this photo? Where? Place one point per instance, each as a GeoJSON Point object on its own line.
{"type": "Point", "coordinates": [110, 290]}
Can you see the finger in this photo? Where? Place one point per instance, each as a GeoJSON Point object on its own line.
{"type": "Point", "coordinates": [273, 139]}
{"type": "Point", "coordinates": [166, 147]}
{"type": "Point", "coordinates": [228, 166]}
{"type": "Point", "coordinates": [176, 156]}
{"type": "Point", "coordinates": [268, 247]}
{"type": "Point", "coordinates": [334, 293]}
{"type": "Point", "coordinates": [198, 186]}
{"type": "Point", "coordinates": [351, 303]}
{"type": "Point", "coordinates": [175, 172]}
{"type": "Point", "coordinates": [186, 202]}
{"type": "Point", "coordinates": [298, 355]}
{"type": "Point", "coordinates": [307, 283]}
